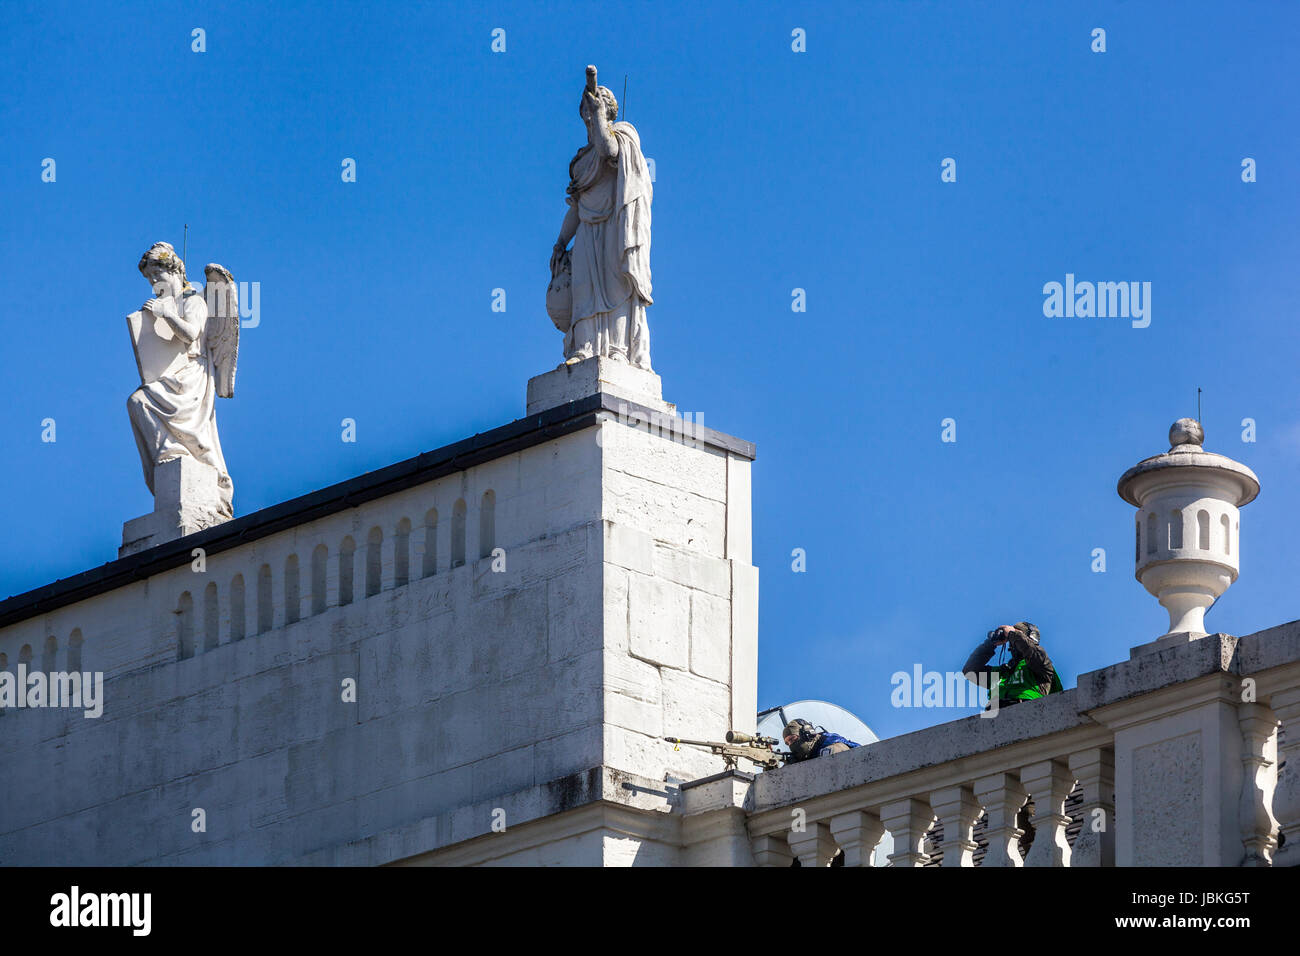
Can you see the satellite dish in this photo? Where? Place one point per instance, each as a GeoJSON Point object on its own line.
{"type": "Point", "coordinates": [819, 713]}
{"type": "Point", "coordinates": [837, 720]}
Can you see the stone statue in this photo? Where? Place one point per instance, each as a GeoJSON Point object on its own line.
{"type": "Point", "coordinates": [185, 345]}
{"type": "Point", "coordinates": [600, 288]}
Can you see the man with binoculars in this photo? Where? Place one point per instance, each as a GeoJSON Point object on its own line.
{"type": "Point", "coordinates": [1027, 675]}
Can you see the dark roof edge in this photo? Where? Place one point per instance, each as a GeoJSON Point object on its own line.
{"type": "Point", "coordinates": [486, 446]}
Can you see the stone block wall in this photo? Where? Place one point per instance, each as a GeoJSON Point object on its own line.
{"type": "Point", "coordinates": [606, 599]}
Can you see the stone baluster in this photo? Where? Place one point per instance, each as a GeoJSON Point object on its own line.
{"type": "Point", "coordinates": [812, 844]}
{"type": "Point", "coordinates": [1002, 795]}
{"type": "Point", "coordinates": [857, 834]}
{"type": "Point", "coordinates": [908, 820]}
{"type": "Point", "coordinates": [771, 850]}
{"type": "Point", "coordinates": [1095, 844]}
{"type": "Point", "coordinates": [957, 810]}
{"type": "Point", "coordinates": [1259, 778]}
{"type": "Point", "coordinates": [1286, 798]}
{"type": "Point", "coordinates": [1049, 783]}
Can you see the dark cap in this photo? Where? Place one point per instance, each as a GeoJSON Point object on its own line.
{"type": "Point", "coordinates": [1027, 629]}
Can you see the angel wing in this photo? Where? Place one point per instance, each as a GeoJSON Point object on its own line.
{"type": "Point", "coordinates": [222, 296]}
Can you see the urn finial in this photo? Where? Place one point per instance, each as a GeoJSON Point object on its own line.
{"type": "Point", "coordinates": [1187, 535]}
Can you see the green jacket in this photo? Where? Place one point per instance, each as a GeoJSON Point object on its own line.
{"type": "Point", "coordinates": [1019, 682]}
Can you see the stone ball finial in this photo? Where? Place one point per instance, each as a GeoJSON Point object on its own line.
{"type": "Point", "coordinates": [1186, 431]}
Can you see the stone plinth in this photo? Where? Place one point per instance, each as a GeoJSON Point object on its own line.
{"type": "Point", "coordinates": [186, 498]}
{"type": "Point", "coordinates": [569, 383]}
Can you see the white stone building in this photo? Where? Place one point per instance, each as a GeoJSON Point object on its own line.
{"type": "Point", "coordinates": [524, 615]}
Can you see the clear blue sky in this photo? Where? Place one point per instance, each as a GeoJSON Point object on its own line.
{"type": "Point", "coordinates": [774, 170]}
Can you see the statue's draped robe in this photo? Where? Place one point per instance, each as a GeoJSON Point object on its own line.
{"type": "Point", "coordinates": [176, 415]}
{"type": "Point", "coordinates": [611, 249]}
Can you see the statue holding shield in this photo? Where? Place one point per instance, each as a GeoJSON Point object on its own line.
{"type": "Point", "coordinates": [601, 286]}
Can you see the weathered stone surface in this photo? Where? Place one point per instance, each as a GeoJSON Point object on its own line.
{"type": "Point", "coordinates": [692, 569]}
{"type": "Point", "coordinates": [669, 515]}
{"type": "Point", "coordinates": [1145, 673]}
{"type": "Point", "coordinates": [694, 707]}
{"type": "Point", "coordinates": [568, 383]}
{"type": "Point", "coordinates": [186, 499]}
{"type": "Point", "coordinates": [629, 548]}
{"type": "Point", "coordinates": [626, 749]}
{"type": "Point", "coordinates": [1167, 800]}
{"type": "Point", "coordinates": [659, 621]}
{"type": "Point", "coordinates": [744, 646]}
{"type": "Point", "coordinates": [711, 637]}
{"type": "Point", "coordinates": [657, 451]}
{"type": "Point", "coordinates": [633, 694]}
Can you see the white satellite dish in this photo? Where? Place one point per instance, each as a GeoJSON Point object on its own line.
{"type": "Point", "coordinates": [819, 713]}
{"type": "Point", "coordinates": [837, 720]}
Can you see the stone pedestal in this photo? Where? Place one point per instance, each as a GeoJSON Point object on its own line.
{"type": "Point", "coordinates": [1178, 775]}
{"type": "Point", "coordinates": [569, 383]}
{"type": "Point", "coordinates": [186, 499]}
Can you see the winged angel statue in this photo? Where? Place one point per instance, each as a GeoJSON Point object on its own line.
{"type": "Point", "coordinates": [185, 345]}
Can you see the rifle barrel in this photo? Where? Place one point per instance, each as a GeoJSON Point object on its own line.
{"type": "Point", "coordinates": [695, 743]}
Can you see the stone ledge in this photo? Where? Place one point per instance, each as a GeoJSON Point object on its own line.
{"type": "Point", "coordinates": [594, 786]}
{"type": "Point", "coordinates": [1274, 647]}
{"type": "Point", "coordinates": [1151, 671]}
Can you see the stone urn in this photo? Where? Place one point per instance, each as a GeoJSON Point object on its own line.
{"type": "Point", "coordinates": [1188, 545]}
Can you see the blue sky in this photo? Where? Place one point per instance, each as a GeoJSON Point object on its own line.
{"type": "Point", "coordinates": [775, 170]}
